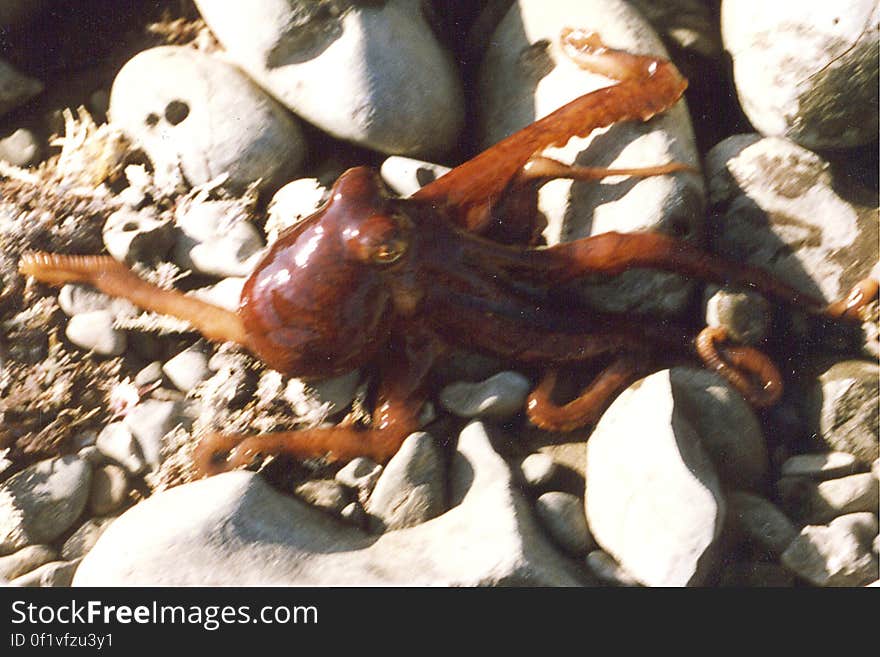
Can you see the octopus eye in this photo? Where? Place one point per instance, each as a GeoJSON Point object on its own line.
{"type": "Point", "coordinates": [382, 239]}
{"type": "Point", "coordinates": [389, 252]}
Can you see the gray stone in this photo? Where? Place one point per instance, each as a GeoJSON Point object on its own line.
{"type": "Point", "coordinates": [361, 474]}
{"type": "Point", "coordinates": [728, 428]}
{"type": "Point", "coordinates": [407, 175]}
{"type": "Point", "coordinates": [150, 374]}
{"type": "Point", "coordinates": [21, 148]}
{"type": "Point", "coordinates": [404, 99]}
{"type": "Point", "coordinates": [835, 555]}
{"type": "Point", "coordinates": [94, 331]}
{"type": "Point", "coordinates": [488, 537]}
{"type": "Point", "coordinates": [761, 521]}
{"type": "Point", "coordinates": [745, 315]}
{"type": "Point", "coordinates": [538, 470]}
{"type": "Point", "coordinates": [84, 538]}
{"type": "Point", "coordinates": [200, 116]}
{"type": "Point", "coordinates": [499, 397]}
{"type": "Point", "coordinates": [525, 75]}
{"type": "Point", "coordinates": [778, 209]}
{"type": "Point", "coordinates": [109, 490]}
{"type": "Point", "coordinates": [653, 499]}
{"type": "Point", "coordinates": [137, 236]}
{"type": "Point", "coordinates": [608, 570]}
{"type": "Point", "coordinates": [25, 560]}
{"type": "Point", "coordinates": [837, 497]}
{"type": "Point", "coordinates": [292, 203]}
{"type": "Point", "coordinates": [42, 501]}
{"type": "Point", "coordinates": [117, 442]}
{"type": "Point", "coordinates": [15, 88]}
{"type": "Point", "coordinates": [563, 516]}
{"type": "Point", "coordinates": [148, 422]}
{"type": "Point", "coordinates": [841, 409]}
{"type": "Point", "coordinates": [187, 369]}
{"type": "Point", "coordinates": [75, 299]}
{"type": "Point", "coordinates": [411, 488]}
{"type": "Point", "coordinates": [53, 574]}
{"type": "Point", "coordinates": [826, 465]}
{"type": "Point", "coordinates": [809, 75]}
{"type": "Point", "coordinates": [324, 494]}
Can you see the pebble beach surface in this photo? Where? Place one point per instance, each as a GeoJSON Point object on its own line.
{"type": "Point", "coordinates": [184, 145]}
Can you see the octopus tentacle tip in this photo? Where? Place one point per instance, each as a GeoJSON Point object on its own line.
{"type": "Point", "coordinates": [746, 369]}
{"type": "Point", "coordinates": [851, 307]}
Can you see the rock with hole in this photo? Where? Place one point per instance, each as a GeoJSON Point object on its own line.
{"type": "Point", "coordinates": [198, 115]}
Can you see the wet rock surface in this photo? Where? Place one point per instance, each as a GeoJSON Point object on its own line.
{"type": "Point", "coordinates": [782, 212]}
{"type": "Point", "coordinates": [809, 75]}
{"type": "Point", "coordinates": [685, 483]}
{"type": "Point", "coordinates": [271, 538]}
{"type": "Point", "coordinates": [403, 100]}
{"type": "Point", "coordinates": [41, 502]}
{"type": "Point", "coordinates": [638, 465]}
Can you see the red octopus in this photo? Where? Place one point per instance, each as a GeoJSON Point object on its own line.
{"type": "Point", "coordinates": [371, 278]}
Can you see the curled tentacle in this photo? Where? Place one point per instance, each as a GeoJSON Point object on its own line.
{"type": "Point", "coordinates": [850, 307]}
{"type": "Point", "coordinates": [585, 409]}
{"type": "Point", "coordinates": [741, 366]}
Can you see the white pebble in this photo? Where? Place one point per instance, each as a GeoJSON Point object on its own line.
{"type": "Point", "coordinates": [149, 374]}
{"type": "Point", "coordinates": [187, 369]}
{"type": "Point", "coordinates": [406, 175]}
{"type": "Point", "coordinates": [827, 465]}
{"type": "Point", "coordinates": [500, 396]}
{"type": "Point", "coordinates": [292, 203]}
{"type": "Point", "coordinates": [116, 442]}
{"type": "Point", "coordinates": [94, 331]}
{"type": "Point", "coordinates": [538, 469]}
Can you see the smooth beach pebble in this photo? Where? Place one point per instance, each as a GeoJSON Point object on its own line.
{"type": "Point", "coordinates": [500, 396]}
{"type": "Point", "coordinates": [42, 501]}
{"type": "Point", "coordinates": [372, 73]}
{"type": "Point", "coordinates": [810, 74]}
{"type": "Point", "coordinates": [270, 538]}
{"type": "Point", "coordinates": [94, 331]}
{"type": "Point", "coordinates": [197, 112]}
